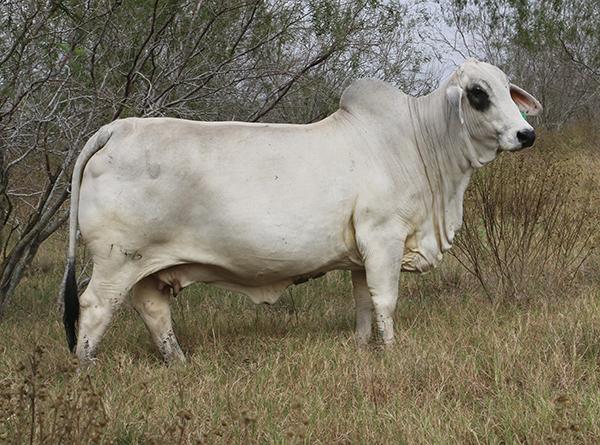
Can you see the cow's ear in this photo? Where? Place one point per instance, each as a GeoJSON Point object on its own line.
{"type": "Point", "coordinates": [525, 101]}
{"type": "Point", "coordinates": [454, 94]}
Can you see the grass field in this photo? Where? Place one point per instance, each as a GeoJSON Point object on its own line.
{"type": "Point", "coordinates": [464, 369]}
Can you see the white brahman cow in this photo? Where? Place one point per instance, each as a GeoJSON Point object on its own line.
{"type": "Point", "coordinates": [375, 188]}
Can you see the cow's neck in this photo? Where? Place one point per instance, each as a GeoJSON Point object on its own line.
{"type": "Point", "coordinates": [449, 158]}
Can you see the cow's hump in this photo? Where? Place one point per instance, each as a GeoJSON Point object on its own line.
{"type": "Point", "coordinates": [372, 96]}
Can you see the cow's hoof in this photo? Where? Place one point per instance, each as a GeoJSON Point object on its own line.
{"type": "Point", "coordinates": [175, 360]}
{"type": "Point", "coordinates": [362, 342]}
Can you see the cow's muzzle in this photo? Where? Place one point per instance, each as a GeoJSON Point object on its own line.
{"type": "Point", "coordinates": [526, 138]}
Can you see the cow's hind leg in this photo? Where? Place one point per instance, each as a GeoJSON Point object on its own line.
{"type": "Point", "coordinates": [153, 306]}
{"type": "Point", "coordinates": [103, 296]}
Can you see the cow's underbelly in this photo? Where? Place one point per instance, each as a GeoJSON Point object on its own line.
{"type": "Point", "coordinates": [257, 255]}
{"type": "Point", "coordinates": [259, 286]}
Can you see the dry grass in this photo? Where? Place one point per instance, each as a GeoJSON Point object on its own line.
{"type": "Point", "coordinates": [464, 370]}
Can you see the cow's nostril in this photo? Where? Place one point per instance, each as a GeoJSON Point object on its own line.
{"type": "Point", "coordinates": [526, 138]}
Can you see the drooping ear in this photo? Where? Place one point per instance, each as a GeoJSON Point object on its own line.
{"type": "Point", "coordinates": [454, 94]}
{"type": "Point", "coordinates": [525, 101]}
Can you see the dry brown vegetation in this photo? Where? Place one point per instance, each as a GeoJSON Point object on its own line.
{"type": "Point", "coordinates": [467, 368]}
{"type": "Point", "coordinates": [530, 221]}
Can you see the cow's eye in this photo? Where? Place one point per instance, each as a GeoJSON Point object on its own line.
{"type": "Point", "coordinates": [478, 98]}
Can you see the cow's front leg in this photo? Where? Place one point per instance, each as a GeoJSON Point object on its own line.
{"type": "Point", "coordinates": [364, 307]}
{"type": "Point", "coordinates": [382, 260]}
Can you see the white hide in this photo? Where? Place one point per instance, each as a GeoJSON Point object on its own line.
{"type": "Point", "coordinates": [376, 186]}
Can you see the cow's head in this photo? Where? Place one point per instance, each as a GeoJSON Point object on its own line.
{"type": "Point", "coordinates": [490, 107]}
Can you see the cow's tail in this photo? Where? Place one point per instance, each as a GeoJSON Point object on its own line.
{"type": "Point", "coordinates": [69, 285]}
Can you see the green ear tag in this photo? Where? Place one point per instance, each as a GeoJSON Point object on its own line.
{"type": "Point", "coordinates": [524, 115]}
